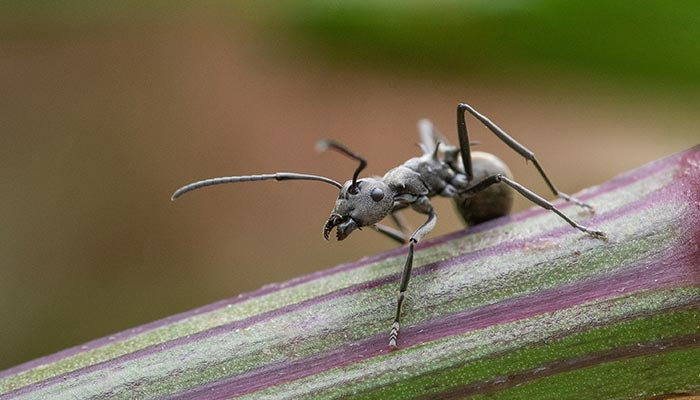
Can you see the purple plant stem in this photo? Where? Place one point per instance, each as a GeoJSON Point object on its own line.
{"type": "Point", "coordinates": [674, 269]}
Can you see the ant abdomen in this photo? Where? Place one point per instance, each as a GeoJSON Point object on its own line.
{"type": "Point", "coordinates": [492, 202]}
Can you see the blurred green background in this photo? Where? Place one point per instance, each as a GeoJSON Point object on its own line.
{"type": "Point", "coordinates": [107, 107]}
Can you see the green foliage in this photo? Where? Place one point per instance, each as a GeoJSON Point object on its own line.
{"type": "Point", "coordinates": [648, 40]}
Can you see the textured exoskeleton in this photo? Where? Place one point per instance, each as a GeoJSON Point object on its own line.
{"type": "Point", "coordinates": [480, 184]}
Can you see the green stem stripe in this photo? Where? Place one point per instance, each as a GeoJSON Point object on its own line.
{"type": "Point", "coordinates": [687, 342]}
{"type": "Point", "coordinates": [517, 364]}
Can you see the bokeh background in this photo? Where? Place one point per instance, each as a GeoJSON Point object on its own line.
{"type": "Point", "coordinates": [107, 107]}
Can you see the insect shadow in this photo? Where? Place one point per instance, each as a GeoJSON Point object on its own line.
{"type": "Point", "coordinates": [480, 184]}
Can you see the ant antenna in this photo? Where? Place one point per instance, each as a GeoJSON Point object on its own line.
{"type": "Point", "coordinates": [322, 145]}
{"type": "Point", "coordinates": [280, 176]}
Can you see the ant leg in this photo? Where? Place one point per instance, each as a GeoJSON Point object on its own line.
{"type": "Point", "coordinates": [400, 222]}
{"type": "Point", "coordinates": [507, 139]}
{"type": "Point", "coordinates": [533, 197]}
{"type": "Point", "coordinates": [399, 235]}
{"type": "Point", "coordinates": [422, 205]}
{"type": "Point", "coordinates": [391, 233]}
{"type": "Point", "coordinates": [429, 136]}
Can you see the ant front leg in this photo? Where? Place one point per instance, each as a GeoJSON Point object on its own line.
{"type": "Point", "coordinates": [400, 235]}
{"type": "Point", "coordinates": [421, 205]}
{"type": "Point", "coordinates": [507, 139]}
{"type": "Point", "coordinates": [391, 233]}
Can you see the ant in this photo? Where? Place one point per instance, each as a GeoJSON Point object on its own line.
{"type": "Point", "coordinates": [471, 178]}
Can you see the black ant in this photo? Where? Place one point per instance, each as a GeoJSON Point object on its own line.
{"type": "Point", "coordinates": [470, 178]}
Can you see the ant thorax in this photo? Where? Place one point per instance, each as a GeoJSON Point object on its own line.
{"type": "Point", "coordinates": [427, 175]}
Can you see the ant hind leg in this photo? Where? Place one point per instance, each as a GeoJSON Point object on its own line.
{"type": "Point", "coordinates": [535, 198]}
{"type": "Point", "coordinates": [508, 140]}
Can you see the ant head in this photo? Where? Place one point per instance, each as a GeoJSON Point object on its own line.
{"type": "Point", "coordinates": [360, 203]}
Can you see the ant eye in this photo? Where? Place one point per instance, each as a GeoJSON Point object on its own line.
{"type": "Point", "coordinates": [376, 194]}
